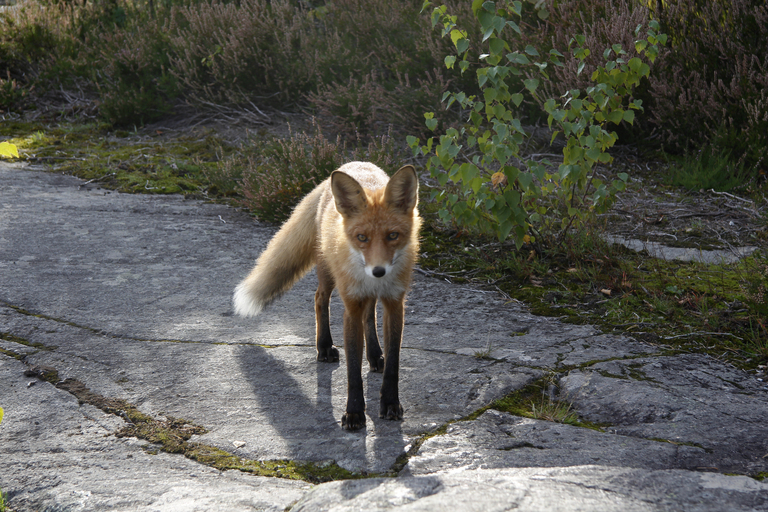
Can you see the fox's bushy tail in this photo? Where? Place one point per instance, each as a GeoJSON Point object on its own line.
{"type": "Point", "coordinates": [287, 258]}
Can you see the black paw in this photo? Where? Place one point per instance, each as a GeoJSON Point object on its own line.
{"type": "Point", "coordinates": [353, 420]}
{"type": "Point", "coordinates": [391, 411]}
{"type": "Point", "coordinates": [328, 355]}
{"type": "Point", "coordinates": [377, 365]}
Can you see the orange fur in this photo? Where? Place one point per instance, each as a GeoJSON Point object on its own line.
{"type": "Point", "coordinates": [361, 230]}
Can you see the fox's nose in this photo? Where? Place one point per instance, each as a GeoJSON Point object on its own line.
{"type": "Point", "coordinates": [378, 271]}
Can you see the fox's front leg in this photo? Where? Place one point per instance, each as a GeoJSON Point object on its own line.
{"type": "Point", "coordinates": [354, 324]}
{"type": "Point", "coordinates": [324, 343]}
{"type": "Point", "coordinates": [394, 315]}
{"type": "Point", "coordinates": [372, 348]}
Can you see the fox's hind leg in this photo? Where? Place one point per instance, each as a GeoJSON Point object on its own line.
{"type": "Point", "coordinates": [324, 343]}
{"type": "Point", "coordinates": [372, 348]}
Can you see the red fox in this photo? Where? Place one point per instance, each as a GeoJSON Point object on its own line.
{"type": "Point", "coordinates": [361, 229]}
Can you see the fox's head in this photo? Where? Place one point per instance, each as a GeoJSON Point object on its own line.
{"type": "Point", "coordinates": [381, 223]}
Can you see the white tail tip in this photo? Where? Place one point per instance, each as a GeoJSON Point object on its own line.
{"type": "Point", "coordinates": [244, 302]}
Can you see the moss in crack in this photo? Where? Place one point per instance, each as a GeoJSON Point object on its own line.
{"type": "Point", "coordinates": [527, 402]}
{"type": "Point", "coordinates": [6, 336]}
{"type": "Point", "coordinates": [609, 375]}
{"type": "Point", "coordinates": [172, 435]}
{"type": "Point", "coordinates": [534, 401]}
{"type": "Point", "coordinates": [11, 353]}
{"type": "Point", "coordinates": [416, 444]}
{"type": "Point", "coordinates": [635, 373]}
{"type": "Point", "coordinates": [315, 472]}
{"type": "Point", "coordinates": [681, 443]}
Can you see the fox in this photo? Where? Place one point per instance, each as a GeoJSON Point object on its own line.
{"type": "Point", "coordinates": [360, 229]}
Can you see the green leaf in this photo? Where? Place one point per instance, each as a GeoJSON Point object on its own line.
{"type": "Point", "coordinates": [517, 99]}
{"type": "Point", "coordinates": [524, 179]}
{"type": "Point", "coordinates": [531, 84]}
{"type": "Point", "coordinates": [490, 94]}
{"type": "Point", "coordinates": [486, 19]}
{"type": "Point", "coordinates": [593, 154]}
{"type": "Point", "coordinates": [635, 64]}
{"type": "Point", "coordinates": [497, 45]}
{"type": "Point", "coordinates": [450, 60]}
{"type": "Point", "coordinates": [530, 50]}
{"type": "Point", "coordinates": [616, 116]}
{"type": "Point", "coordinates": [518, 58]}
{"type": "Point", "coordinates": [463, 65]}
{"type": "Point", "coordinates": [431, 124]}
{"type": "Point", "coordinates": [629, 116]}
{"type": "Point", "coordinates": [543, 14]}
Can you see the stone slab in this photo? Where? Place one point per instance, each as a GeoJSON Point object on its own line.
{"type": "Point", "coordinates": [572, 489]}
{"type": "Point", "coordinates": [58, 455]}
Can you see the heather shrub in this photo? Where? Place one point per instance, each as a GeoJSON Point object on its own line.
{"type": "Point", "coordinates": [284, 171]}
{"type": "Point", "coordinates": [132, 74]}
{"type": "Point", "coordinates": [242, 52]}
{"type": "Point", "coordinates": [712, 85]}
{"type": "Point", "coordinates": [394, 74]}
{"type": "Point", "coordinates": [356, 108]}
{"type": "Point", "coordinates": [272, 175]}
{"type": "Point", "coordinates": [30, 43]}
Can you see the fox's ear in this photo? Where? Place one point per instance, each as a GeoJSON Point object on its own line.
{"type": "Point", "coordinates": [402, 191]}
{"type": "Point", "coordinates": [348, 194]}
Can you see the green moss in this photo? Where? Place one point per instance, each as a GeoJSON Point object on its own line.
{"type": "Point", "coordinates": [533, 402]}
{"type": "Point", "coordinates": [144, 163]}
{"type": "Point", "coordinates": [11, 353]}
{"type": "Point", "coordinates": [295, 470]}
{"type": "Point", "coordinates": [680, 443]}
{"type": "Point", "coordinates": [5, 336]}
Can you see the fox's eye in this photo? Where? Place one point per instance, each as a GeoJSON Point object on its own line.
{"type": "Point", "coordinates": [393, 235]}
{"type": "Point", "coordinates": [362, 238]}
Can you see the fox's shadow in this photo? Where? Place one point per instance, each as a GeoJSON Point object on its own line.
{"type": "Point", "coordinates": [306, 412]}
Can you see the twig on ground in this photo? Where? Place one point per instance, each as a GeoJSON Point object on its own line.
{"type": "Point", "coordinates": [702, 333]}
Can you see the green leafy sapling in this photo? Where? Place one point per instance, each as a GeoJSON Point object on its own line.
{"type": "Point", "coordinates": [492, 186]}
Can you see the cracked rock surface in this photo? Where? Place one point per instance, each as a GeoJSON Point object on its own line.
{"type": "Point", "coordinates": [130, 296]}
